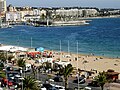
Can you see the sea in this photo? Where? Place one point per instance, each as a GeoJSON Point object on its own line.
{"type": "Point", "coordinates": [101, 37]}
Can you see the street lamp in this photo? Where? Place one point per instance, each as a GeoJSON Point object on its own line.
{"type": "Point", "coordinates": [22, 83]}
{"type": "Point", "coordinates": [6, 68]}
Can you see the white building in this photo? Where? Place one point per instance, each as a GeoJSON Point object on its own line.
{"type": "Point", "coordinates": [31, 17]}
{"type": "Point", "coordinates": [26, 12]}
{"type": "Point", "coordinates": [36, 12]}
{"type": "Point", "coordinates": [3, 7]}
{"type": "Point", "coordinates": [89, 12]}
{"type": "Point", "coordinates": [43, 12]}
{"type": "Point", "coordinates": [13, 16]}
{"type": "Point", "coordinates": [69, 12]}
{"type": "Point", "coordinates": [11, 8]}
{"type": "Point", "coordinates": [76, 12]}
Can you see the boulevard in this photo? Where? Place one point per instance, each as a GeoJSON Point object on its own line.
{"type": "Point", "coordinates": [45, 77]}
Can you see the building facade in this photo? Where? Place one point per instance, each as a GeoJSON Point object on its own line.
{"type": "Point", "coordinates": [13, 17]}
{"type": "Point", "coordinates": [3, 7]}
{"type": "Point", "coordinates": [76, 12]}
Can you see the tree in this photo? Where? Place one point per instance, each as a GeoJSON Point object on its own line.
{"type": "Point", "coordinates": [3, 56]}
{"type": "Point", "coordinates": [43, 17]}
{"type": "Point", "coordinates": [66, 72]}
{"type": "Point", "coordinates": [101, 79]}
{"type": "Point", "coordinates": [47, 65]}
{"type": "Point", "coordinates": [21, 63]}
{"type": "Point", "coordinates": [2, 74]}
{"type": "Point", "coordinates": [10, 57]}
{"type": "Point", "coordinates": [29, 83]}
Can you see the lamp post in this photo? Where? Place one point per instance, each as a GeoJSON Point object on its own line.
{"type": "Point", "coordinates": [22, 83]}
{"type": "Point", "coordinates": [6, 68]}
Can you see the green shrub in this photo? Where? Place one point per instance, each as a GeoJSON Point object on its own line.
{"type": "Point", "coordinates": [2, 74]}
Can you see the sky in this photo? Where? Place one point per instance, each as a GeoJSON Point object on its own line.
{"type": "Point", "coordinates": [66, 3]}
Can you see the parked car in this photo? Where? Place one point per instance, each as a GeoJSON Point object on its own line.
{"type": "Point", "coordinates": [58, 87]}
{"type": "Point", "coordinates": [80, 88]}
{"type": "Point", "coordinates": [43, 88]}
{"type": "Point", "coordinates": [7, 82]}
{"type": "Point", "coordinates": [93, 83]}
{"type": "Point", "coordinates": [47, 86]}
{"type": "Point", "coordinates": [39, 83]}
{"type": "Point", "coordinates": [58, 79]}
{"type": "Point", "coordinates": [12, 74]}
{"type": "Point", "coordinates": [9, 69]}
{"type": "Point", "coordinates": [81, 80]}
{"type": "Point", "coordinates": [1, 88]}
{"type": "Point", "coordinates": [87, 88]}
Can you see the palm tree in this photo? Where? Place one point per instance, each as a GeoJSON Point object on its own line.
{"type": "Point", "coordinates": [101, 79]}
{"type": "Point", "coordinates": [21, 63]}
{"type": "Point", "coordinates": [66, 72]}
{"type": "Point", "coordinates": [47, 65]}
{"type": "Point", "coordinates": [29, 83]}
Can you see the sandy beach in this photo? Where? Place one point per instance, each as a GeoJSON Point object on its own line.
{"type": "Point", "coordinates": [88, 62]}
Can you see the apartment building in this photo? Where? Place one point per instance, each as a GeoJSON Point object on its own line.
{"type": "Point", "coordinates": [76, 12]}
{"type": "Point", "coordinates": [3, 6]}
{"type": "Point", "coordinates": [13, 17]}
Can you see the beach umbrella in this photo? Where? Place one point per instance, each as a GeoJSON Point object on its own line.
{"type": "Point", "coordinates": [41, 49]}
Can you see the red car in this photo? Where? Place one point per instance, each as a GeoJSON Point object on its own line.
{"type": "Point", "coordinates": [5, 81]}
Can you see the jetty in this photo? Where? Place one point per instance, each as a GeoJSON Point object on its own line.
{"type": "Point", "coordinates": [69, 23]}
{"type": "Point", "coordinates": [58, 23]}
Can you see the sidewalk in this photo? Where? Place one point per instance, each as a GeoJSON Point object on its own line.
{"type": "Point", "coordinates": [112, 86]}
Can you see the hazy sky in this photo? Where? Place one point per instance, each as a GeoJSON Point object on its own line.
{"type": "Point", "coordinates": [63, 3]}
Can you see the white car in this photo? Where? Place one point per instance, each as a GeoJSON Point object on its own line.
{"type": "Point", "coordinates": [88, 88]}
{"type": "Point", "coordinates": [58, 87]}
{"type": "Point", "coordinates": [43, 88]}
{"type": "Point", "coordinates": [51, 80]}
{"type": "Point", "coordinates": [1, 88]}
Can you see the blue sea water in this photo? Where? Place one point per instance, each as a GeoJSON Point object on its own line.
{"type": "Point", "coordinates": [101, 37]}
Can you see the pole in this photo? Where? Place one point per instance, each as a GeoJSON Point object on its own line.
{"type": "Point", "coordinates": [77, 65]}
{"type": "Point", "coordinates": [31, 42]}
{"type": "Point", "coordinates": [7, 79]}
{"type": "Point", "coordinates": [68, 46]}
{"type": "Point", "coordinates": [68, 49]}
{"type": "Point", "coordinates": [37, 74]}
{"type": "Point", "coordinates": [60, 50]}
{"type": "Point", "coordinates": [18, 42]}
{"type": "Point", "coordinates": [6, 68]}
{"type": "Point", "coordinates": [22, 84]}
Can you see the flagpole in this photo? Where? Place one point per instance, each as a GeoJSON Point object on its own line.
{"type": "Point", "coordinates": [60, 50]}
{"type": "Point", "coordinates": [77, 65]}
{"type": "Point", "coordinates": [68, 48]}
{"type": "Point", "coordinates": [31, 42]}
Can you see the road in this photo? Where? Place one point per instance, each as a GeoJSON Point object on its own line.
{"type": "Point", "coordinates": [43, 77]}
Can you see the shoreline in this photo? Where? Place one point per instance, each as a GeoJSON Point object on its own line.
{"type": "Point", "coordinates": [112, 16]}
{"type": "Point", "coordinates": [79, 54]}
